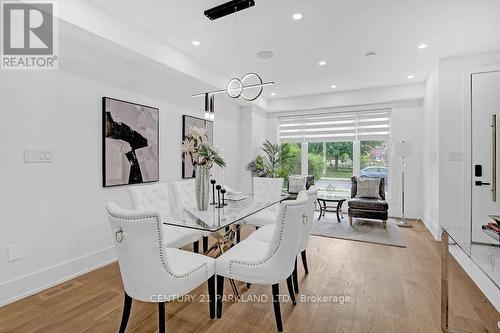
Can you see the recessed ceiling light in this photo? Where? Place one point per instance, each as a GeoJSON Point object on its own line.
{"type": "Point", "coordinates": [422, 46]}
{"type": "Point", "coordinates": [272, 94]}
{"type": "Point", "coordinates": [322, 63]}
{"type": "Point", "coordinates": [370, 55]}
{"type": "Point", "coordinates": [410, 77]}
{"type": "Point", "coordinates": [265, 54]}
{"type": "Point", "coordinates": [297, 16]}
{"type": "Point", "coordinates": [195, 43]}
{"type": "Point", "coordinates": [333, 86]}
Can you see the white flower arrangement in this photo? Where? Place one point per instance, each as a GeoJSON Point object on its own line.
{"type": "Point", "coordinates": [199, 152]}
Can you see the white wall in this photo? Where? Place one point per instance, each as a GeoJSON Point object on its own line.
{"type": "Point", "coordinates": [253, 132]}
{"type": "Point", "coordinates": [56, 210]}
{"type": "Point", "coordinates": [430, 153]}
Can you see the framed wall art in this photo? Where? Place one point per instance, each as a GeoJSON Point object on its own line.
{"type": "Point", "coordinates": [130, 137]}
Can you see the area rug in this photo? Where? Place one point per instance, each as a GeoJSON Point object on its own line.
{"type": "Point", "coordinates": [369, 231]}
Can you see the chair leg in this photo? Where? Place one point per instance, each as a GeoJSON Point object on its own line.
{"type": "Point", "coordinates": [161, 317]}
{"type": "Point", "coordinates": [205, 244]}
{"type": "Point", "coordinates": [127, 305]}
{"type": "Point", "coordinates": [350, 220]}
{"type": "Point", "coordinates": [276, 305]}
{"type": "Point", "coordinates": [196, 247]}
{"type": "Point", "coordinates": [211, 296]}
{"type": "Point", "coordinates": [289, 284]}
{"type": "Point", "coordinates": [220, 294]}
{"type": "Point", "coordinates": [385, 223]}
{"type": "Point", "coordinates": [238, 233]}
{"type": "Point", "coordinates": [295, 278]}
{"type": "Point", "coordinates": [304, 261]}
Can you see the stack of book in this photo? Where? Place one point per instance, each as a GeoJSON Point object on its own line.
{"type": "Point", "coordinates": [493, 228]}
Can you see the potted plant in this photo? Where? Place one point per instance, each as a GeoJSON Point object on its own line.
{"type": "Point", "coordinates": [268, 166]}
{"type": "Point", "coordinates": [202, 156]}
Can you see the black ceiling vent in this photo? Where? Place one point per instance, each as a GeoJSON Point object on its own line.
{"type": "Point", "coordinates": [228, 8]}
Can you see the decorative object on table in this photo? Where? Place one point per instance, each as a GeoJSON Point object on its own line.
{"type": "Point", "coordinates": [330, 189]}
{"type": "Point", "coordinates": [233, 195]}
{"type": "Point", "coordinates": [368, 207]}
{"type": "Point", "coordinates": [403, 149]}
{"type": "Point", "coordinates": [188, 170]}
{"type": "Point", "coordinates": [251, 85]}
{"type": "Point", "coordinates": [492, 229]}
{"type": "Point", "coordinates": [213, 182]}
{"type": "Point", "coordinates": [218, 188]}
{"type": "Point", "coordinates": [268, 166]}
{"type": "Point", "coordinates": [130, 143]}
{"type": "Point", "coordinates": [202, 156]}
{"type": "Point", "coordinates": [223, 191]}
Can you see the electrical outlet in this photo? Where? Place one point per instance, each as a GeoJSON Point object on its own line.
{"type": "Point", "coordinates": [37, 156]}
{"type": "Point", "coordinates": [15, 252]}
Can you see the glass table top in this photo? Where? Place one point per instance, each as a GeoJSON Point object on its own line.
{"type": "Point", "coordinates": [330, 196]}
{"type": "Point", "coordinates": [215, 218]}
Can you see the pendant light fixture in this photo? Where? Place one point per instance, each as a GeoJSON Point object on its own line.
{"type": "Point", "coordinates": [251, 81]}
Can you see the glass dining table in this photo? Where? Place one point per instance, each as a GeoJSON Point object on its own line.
{"type": "Point", "coordinates": [223, 222]}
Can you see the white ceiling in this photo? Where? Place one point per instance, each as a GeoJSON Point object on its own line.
{"type": "Point", "coordinates": [337, 31]}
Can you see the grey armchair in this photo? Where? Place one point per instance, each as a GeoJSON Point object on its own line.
{"type": "Point", "coordinates": [368, 208]}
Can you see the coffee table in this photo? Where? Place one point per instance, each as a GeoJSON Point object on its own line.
{"type": "Point", "coordinates": [325, 199]}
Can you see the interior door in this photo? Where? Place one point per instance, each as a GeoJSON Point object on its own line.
{"type": "Point", "coordinates": [485, 146]}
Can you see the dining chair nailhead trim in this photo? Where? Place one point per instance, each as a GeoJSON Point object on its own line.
{"type": "Point", "coordinates": [160, 247]}
{"type": "Point", "coordinates": [231, 262]}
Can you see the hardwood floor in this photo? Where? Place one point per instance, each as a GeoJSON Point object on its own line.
{"type": "Point", "coordinates": [391, 289]}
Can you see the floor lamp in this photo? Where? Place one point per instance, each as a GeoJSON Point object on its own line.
{"type": "Point", "coordinates": [403, 149]}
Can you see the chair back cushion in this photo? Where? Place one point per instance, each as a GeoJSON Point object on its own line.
{"type": "Point", "coordinates": [185, 195]}
{"type": "Point", "coordinates": [150, 271]}
{"type": "Point", "coordinates": [152, 196]}
{"type": "Point", "coordinates": [291, 224]}
{"type": "Point", "coordinates": [138, 239]}
{"type": "Point", "coordinates": [354, 187]}
{"type": "Point", "coordinates": [312, 195]}
{"type": "Point", "coordinates": [267, 189]}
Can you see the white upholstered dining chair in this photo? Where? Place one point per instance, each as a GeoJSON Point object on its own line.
{"type": "Point", "coordinates": [185, 198]}
{"type": "Point", "coordinates": [150, 271]}
{"type": "Point", "coordinates": [265, 234]}
{"type": "Point", "coordinates": [258, 262]}
{"type": "Point", "coordinates": [265, 190]}
{"type": "Point", "coordinates": [155, 196]}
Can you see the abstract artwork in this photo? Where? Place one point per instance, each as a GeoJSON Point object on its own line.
{"type": "Point", "coordinates": [130, 143]}
{"type": "Point", "coordinates": [188, 121]}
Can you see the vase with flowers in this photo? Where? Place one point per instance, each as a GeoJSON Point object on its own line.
{"type": "Point", "coordinates": [202, 156]}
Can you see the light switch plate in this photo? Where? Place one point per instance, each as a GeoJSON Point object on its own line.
{"type": "Point", "coordinates": [37, 156]}
{"type": "Point", "coordinates": [455, 157]}
{"type": "Point", "coordinates": [15, 252]}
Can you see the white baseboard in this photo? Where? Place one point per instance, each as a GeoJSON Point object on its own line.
{"type": "Point", "coordinates": [434, 229]}
{"type": "Point", "coordinates": [35, 282]}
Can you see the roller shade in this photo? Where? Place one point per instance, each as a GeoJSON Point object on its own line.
{"type": "Point", "coordinates": [351, 126]}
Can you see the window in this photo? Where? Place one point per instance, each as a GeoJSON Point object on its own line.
{"type": "Point", "coordinates": [331, 163]}
{"type": "Point", "coordinates": [338, 146]}
{"type": "Point", "coordinates": [374, 158]}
